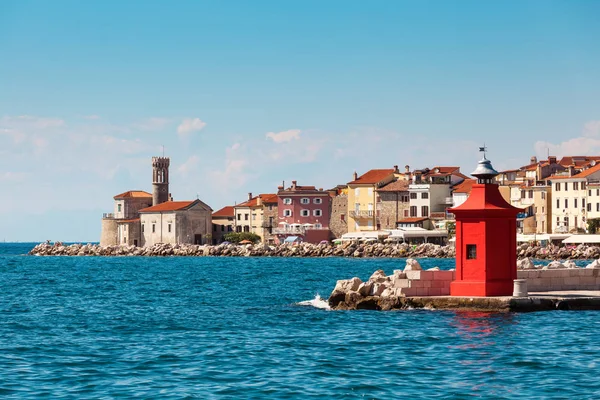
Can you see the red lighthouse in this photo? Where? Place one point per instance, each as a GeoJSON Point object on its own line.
{"type": "Point", "coordinates": [486, 239]}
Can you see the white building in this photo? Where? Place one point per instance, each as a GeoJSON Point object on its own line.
{"type": "Point", "coordinates": [430, 191]}
{"type": "Point", "coordinates": [176, 222]}
{"type": "Point", "coordinates": [576, 198]}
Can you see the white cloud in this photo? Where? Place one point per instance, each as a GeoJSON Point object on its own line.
{"type": "Point", "coordinates": [284, 136]}
{"type": "Point", "coordinates": [586, 144]}
{"type": "Point", "coordinates": [190, 125]}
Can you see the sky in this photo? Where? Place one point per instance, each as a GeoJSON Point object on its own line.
{"type": "Point", "coordinates": [244, 95]}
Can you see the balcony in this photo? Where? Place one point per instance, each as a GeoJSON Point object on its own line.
{"type": "Point", "coordinates": [448, 201]}
{"type": "Point", "coordinates": [267, 225]}
{"type": "Point", "coordinates": [362, 213]}
{"type": "Point", "coordinates": [108, 216]}
{"type": "Point", "coordinates": [289, 231]}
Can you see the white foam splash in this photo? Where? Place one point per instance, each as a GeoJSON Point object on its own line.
{"type": "Point", "coordinates": [317, 302]}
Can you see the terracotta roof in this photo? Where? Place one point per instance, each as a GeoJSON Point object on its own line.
{"type": "Point", "coordinates": [464, 187]}
{"type": "Point", "coordinates": [126, 221]}
{"type": "Point", "coordinates": [396, 186]}
{"type": "Point", "coordinates": [583, 174]}
{"type": "Point", "coordinates": [253, 202]}
{"type": "Point", "coordinates": [412, 220]}
{"type": "Point", "coordinates": [169, 206]}
{"type": "Point", "coordinates": [373, 176]}
{"type": "Point", "coordinates": [133, 193]}
{"type": "Point", "coordinates": [269, 198]}
{"type": "Point", "coordinates": [224, 212]}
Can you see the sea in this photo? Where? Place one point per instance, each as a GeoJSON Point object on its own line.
{"type": "Point", "coordinates": [257, 328]}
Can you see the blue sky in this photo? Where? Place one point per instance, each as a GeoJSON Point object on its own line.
{"type": "Point", "coordinates": [244, 95]}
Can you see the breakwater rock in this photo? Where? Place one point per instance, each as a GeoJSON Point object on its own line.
{"type": "Point", "coordinates": [250, 250]}
{"type": "Point", "coordinates": [415, 288]}
{"type": "Point", "coordinates": [554, 252]}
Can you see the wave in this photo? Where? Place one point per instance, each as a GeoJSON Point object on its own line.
{"type": "Point", "coordinates": [317, 302]}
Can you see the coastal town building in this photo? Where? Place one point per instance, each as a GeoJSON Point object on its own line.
{"type": "Point", "coordinates": [270, 217]}
{"type": "Point", "coordinates": [338, 221]}
{"type": "Point", "coordinates": [303, 214]}
{"type": "Point", "coordinates": [223, 222]}
{"type": "Point", "coordinates": [430, 192]}
{"type": "Point", "coordinates": [249, 215]}
{"type": "Point", "coordinates": [362, 198]}
{"type": "Point", "coordinates": [174, 222]}
{"type": "Point", "coordinates": [143, 219]}
{"type": "Point", "coordinates": [574, 195]}
{"type": "Point", "coordinates": [392, 203]}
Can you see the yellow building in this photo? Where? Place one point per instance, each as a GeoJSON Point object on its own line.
{"type": "Point", "coordinates": [362, 198]}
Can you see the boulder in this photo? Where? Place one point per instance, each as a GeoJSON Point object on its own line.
{"type": "Point", "coordinates": [378, 277]}
{"type": "Point", "coordinates": [570, 264]}
{"type": "Point", "coordinates": [525, 263]}
{"type": "Point", "coordinates": [554, 265]}
{"type": "Point", "coordinates": [594, 265]}
{"type": "Point", "coordinates": [412, 265]}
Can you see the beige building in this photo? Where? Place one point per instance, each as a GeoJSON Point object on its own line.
{"type": "Point", "coordinates": [249, 215]}
{"type": "Point", "coordinates": [362, 198]}
{"type": "Point", "coordinates": [176, 222]}
{"type": "Point", "coordinates": [122, 225]}
{"type": "Point", "coordinates": [223, 222]}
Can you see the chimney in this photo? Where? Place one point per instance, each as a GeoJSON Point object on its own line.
{"type": "Point", "coordinates": [407, 169]}
{"type": "Point", "coordinates": [396, 170]}
{"type": "Point", "coordinates": [250, 196]}
{"type": "Point", "coordinates": [170, 197]}
{"type": "Point", "coordinates": [355, 176]}
{"type": "Point", "coordinates": [294, 184]}
{"type": "Point", "coordinates": [533, 160]}
{"type": "Point", "coordinates": [552, 159]}
{"type": "Point", "coordinates": [259, 201]}
{"type": "Point", "coordinates": [571, 170]}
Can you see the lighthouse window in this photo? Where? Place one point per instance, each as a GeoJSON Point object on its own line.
{"type": "Point", "coordinates": [471, 251]}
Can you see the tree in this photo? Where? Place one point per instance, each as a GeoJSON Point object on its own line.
{"type": "Point", "coordinates": [236, 237]}
{"type": "Point", "coordinates": [451, 228]}
{"type": "Point", "coordinates": [593, 224]}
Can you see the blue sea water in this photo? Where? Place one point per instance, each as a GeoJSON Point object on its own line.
{"type": "Point", "coordinates": [231, 328]}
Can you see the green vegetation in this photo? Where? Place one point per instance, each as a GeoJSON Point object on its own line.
{"type": "Point", "coordinates": [236, 237]}
{"type": "Point", "coordinates": [593, 224]}
{"type": "Point", "coordinates": [451, 228]}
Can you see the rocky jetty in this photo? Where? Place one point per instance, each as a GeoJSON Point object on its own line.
{"type": "Point", "coordinates": [250, 250]}
{"type": "Point", "coordinates": [349, 249]}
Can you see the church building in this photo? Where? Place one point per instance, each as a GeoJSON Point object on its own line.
{"type": "Point", "coordinates": [144, 219]}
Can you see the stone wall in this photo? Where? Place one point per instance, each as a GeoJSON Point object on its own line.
{"type": "Point", "coordinates": [546, 280]}
{"type": "Point", "coordinates": [338, 223]}
{"type": "Point", "coordinates": [108, 234]}
{"type": "Point", "coordinates": [270, 221]}
{"type": "Point", "coordinates": [390, 209]}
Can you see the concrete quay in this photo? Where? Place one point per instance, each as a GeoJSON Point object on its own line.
{"type": "Point", "coordinates": [537, 301]}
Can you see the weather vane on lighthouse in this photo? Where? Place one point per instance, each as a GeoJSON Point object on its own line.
{"type": "Point", "coordinates": [483, 150]}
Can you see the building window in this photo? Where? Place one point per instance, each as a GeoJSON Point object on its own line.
{"type": "Point", "coordinates": [589, 206]}
{"type": "Point", "coordinates": [597, 192]}
{"type": "Point", "coordinates": [304, 213]}
{"type": "Point", "coordinates": [597, 206]}
{"type": "Point", "coordinates": [405, 199]}
{"type": "Point", "coordinates": [405, 213]}
{"type": "Point", "coordinates": [287, 200]}
{"type": "Point", "coordinates": [413, 196]}
{"type": "Point", "coordinates": [222, 228]}
{"type": "Point", "coordinates": [343, 217]}
{"type": "Point", "coordinates": [543, 195]}
{"type": "Point", "coordinates": [214, 227]}
{"type": "Point", "coordinates": [287, 213]}
{"type": "Point", "coordinates": [253, 217]}
{"type": "Point", "coordinates": [575, 185]}
{"type": "Point", "coordinates": [582, 185]}
{"type": "Point", "coordinates": [531, 194]}
{"type": "Point", "coordinates": [270, 207]}
{"type": "Point", "coordinates": [356, 192]}
{"type": "Point", "coordinates": [246, 217]}
{"type": "Point", "coordinates": [566, 186]}
{"type": "Point", "coordinates": [424, 211]}
{"type": "Point", "coordinates": [471, 252]}
{"type": "Point", "coordinates": [370, 191]}
{"type": "Point", "coordinates": [590, 193]}
{"type": "Point", "coordinates": [318, 226]}
{"type": "Point", "coordinates": [118, 207]}
{"type": "Point", "coordinates": [246, 228]}
{"type": "Point", "coordinates": [557, 187]}
{"type": "Point", "coordinates": [169, 228]}
{"type": "Point", "coordinates": [574, 203]}
{"type": "Point", "coordinates": [318, 200]}
{"type": "Point", "coordinates": [566, 203]}
{"type": "Point", "coordinates": [557, 203]}
{"type": "Point", "coordinates": [305, 200]}
{"type": "Point", "coordinates": [424, 195]}
{"type": "Point", "coordinates": [575, 222]}
{"type": "Point", "coordinates": [582, 203]}
{"type": "Point", "coordinates": [317, 213]}
{"type": "Point", "coordinates": [142, 228]}
{"type": "Point", "coordinates": [153, 228]}
{"type": "Point", "coordinates": [239, 217]}
{"type": "Point", "coordinates": [522, 194]}
{"type": "Point", "coordinates": [413, 211]}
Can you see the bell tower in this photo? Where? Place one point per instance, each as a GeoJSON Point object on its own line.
{"type": "Point", "coordinates": [160, 180]}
